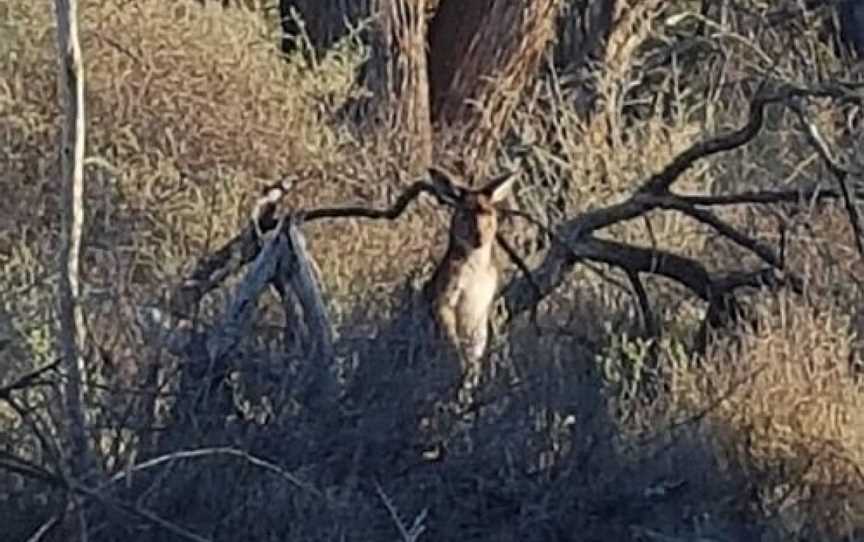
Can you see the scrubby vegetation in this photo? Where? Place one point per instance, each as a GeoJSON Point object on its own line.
{"type": "Point", "coordinates": [599, 418]}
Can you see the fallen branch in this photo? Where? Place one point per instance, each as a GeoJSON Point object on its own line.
{"type": "Point", "coordinates": [213, 269]}
{"type": "Point", "coordinates": [239, 316]}
{"type": "Point", "coordinates": [574, 240]}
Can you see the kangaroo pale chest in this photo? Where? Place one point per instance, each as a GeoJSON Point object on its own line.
{"type": "Point", "coordinates": [467, 290]}
{"type": "Point", "coordinates": [476, 284]}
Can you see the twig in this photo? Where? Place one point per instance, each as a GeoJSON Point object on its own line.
{"type": "Point", "coordinates": [644, 303]}
{"type": "Point", "coordinates": [32, 418]}
{"type": "Point", "coordinates": [407, 534]}
{"type": "Point", "coordinates": [708, 409]}
{"type": "Point", "coordinates": [28, 380]}
{"type": "Point", "coordinates": [725, 229]}
{"type": "Point", "coordinates": [840, 173]}
{"type": "Point", "coordinates": [211, 452]}
{"type": "Point", "coordinates": [25, 468]}
{"type": "Point", "coordinates": [44, 529]}
{"type": "Point", "coordinates": [140, 512]}
{"type": "Point", "coordinates": [523, 268]}
{"type": "Point", "coordinates": [764, 197]}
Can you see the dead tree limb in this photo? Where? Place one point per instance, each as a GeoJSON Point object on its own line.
{"type": "Point", "coordinates": [297, 272]}
{"type": "Point", "coordinates": [575, 240]}
{"type": "Point", "coordinates": [71, 83]}
{"type": "Point", "coordinates": [241, 309]}
{"type": "Point", "coordinates": [282, 262]}
{"type": "Point", "coordinates": [205, 453]}
{"type": "Point", "coordinates": [213, 269]}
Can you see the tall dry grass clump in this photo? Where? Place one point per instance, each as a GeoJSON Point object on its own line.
{"type": "Point", "coordinates": [206, 88]}
{"type": "Point", "coordinates": [784, 410]}
{"type": "Point", "coordinates": [190, 109]}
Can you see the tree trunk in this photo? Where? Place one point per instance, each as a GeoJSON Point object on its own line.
{"type": "Point", "coordinates": [482, 53]}
{"type": "Point", "coordinates": [72, 189]}
{"type": "Point", "coordinates": [396, 74]}
{"type": "Point", "coordinates": [77, 457]}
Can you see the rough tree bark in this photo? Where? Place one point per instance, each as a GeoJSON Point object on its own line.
{"type": "Point", "coordinates": [72, 190]}
{"type": "Point", "coordinates": [396, 74]}
{"type": "Point", "coordinates": [77, 457]}
{"type": "Point", "coordinates": [481, 56]}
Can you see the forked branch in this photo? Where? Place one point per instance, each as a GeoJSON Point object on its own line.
{"type": "Point", "coordinates": [214, 268]}
{"type": "Point", "coordinates": [574, 240]}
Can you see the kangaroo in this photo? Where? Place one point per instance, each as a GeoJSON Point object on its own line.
{"type": "Point", "coordinates": [462, 288]}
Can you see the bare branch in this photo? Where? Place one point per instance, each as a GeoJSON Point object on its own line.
{"type": "Point", "coordinates": [641, 294]}
{"type": "Point", "coordinates": [662, 181]}
{"type": "Point", "coordinates": [574, 241]}
{"type": "Point", "coordinates": [23, 467]}
{"type": "Point", "coordinates": [213, 269]}
{"type": "Point", "coordinates": [28, 380]}
{"type": "Point", "coordinates": [815, 194]}
{"type": "Point", "coordinates": [725, 229]}
{"type": "Point", "coordinates": [407, 534]}
{"type": "Point", "coordinates": [71, 83]}
{"type": "Point", "coordinates": [632, 259]}
{"type": "Point", "coordinates": [44, 529]}
{"type": "Point", "coordinates": [59, 482]}
{"type": "Point", "coordinates": [140, 512]}
{"type": "Point", "coordinates": [298, 272]}
{"type": "Point", "coordinates": [840, 173]}
{"type": "Point", "coordinates": [202, 453]}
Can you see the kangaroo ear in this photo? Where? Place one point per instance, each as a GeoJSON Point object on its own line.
{"type": "Point", "coordinates": [446, 185]}
{"type": "Point", "coordinates": [499, 187]}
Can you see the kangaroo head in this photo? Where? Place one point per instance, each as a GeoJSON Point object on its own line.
{"type": "Point", "coordinates": [475, 218]}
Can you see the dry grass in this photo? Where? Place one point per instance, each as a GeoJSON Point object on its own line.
{"type": "Point", "coordinates": [192, 110]}
{"type": "Point", "coordinates": [783, 411]}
